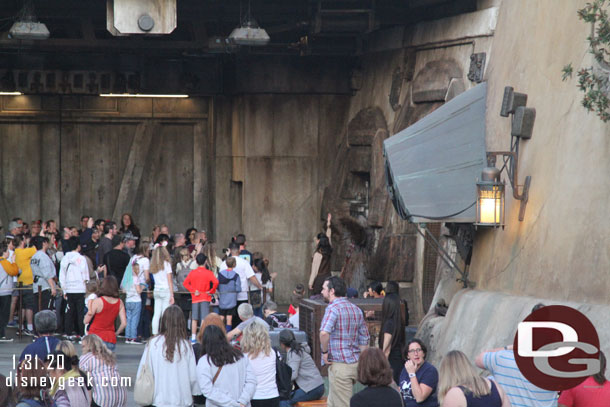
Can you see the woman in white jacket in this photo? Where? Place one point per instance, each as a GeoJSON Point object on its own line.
{"type": "Point", "coordinates": [224, 374]}
{"type": "Point", "coordinates": [172, 362]}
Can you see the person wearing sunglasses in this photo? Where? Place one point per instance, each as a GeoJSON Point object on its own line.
{"type": "Point", "coordinates": [419, 379]}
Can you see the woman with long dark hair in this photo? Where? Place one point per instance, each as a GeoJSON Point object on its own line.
{"type": "Point", "coordinates": [224, 374]}
{"type": "Point", "coordinates": [105, 309]}
{"type": "Point", "coordinates": [304, 371]}
{"type": "Point", "coordinates": [593, 392]}
{"type": "Point", "coordinates": [261, 272]}
{"type": "Point", "coordinates": [172, 362]}
{"type": "Point", "coordinates": [190, 235]}
{"type": "Point", "coordinates": [128, 225]}
{"type": "Point", "coordinates": [320, 262]}
{"type": "Point", "coordinates": [392, 335]}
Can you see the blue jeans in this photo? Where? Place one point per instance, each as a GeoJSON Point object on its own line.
{"type": "Point", "coordinates": [111, 346]}
{"type": "Point", "coordinates": [300, 395]}
{"type": "Point", "coordinates": [133, 310]}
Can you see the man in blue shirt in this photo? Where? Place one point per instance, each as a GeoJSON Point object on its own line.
{"type": "Point", "coordinates": [46, 325]}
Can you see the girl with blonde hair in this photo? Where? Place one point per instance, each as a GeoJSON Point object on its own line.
{"type": "Point", "coordinates": [161, 271]}
{"type": "Point", "coordinates": [100, 363]}
{"type": "Point", "coordinates": [256, 344]}
{"type": "Point", "coordinates": [461, 386]}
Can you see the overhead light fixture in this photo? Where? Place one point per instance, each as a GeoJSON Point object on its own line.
{"type": "Point", "coordinates": [141, 95]}
{"type": "Point", "coordinates": [29, 30]}
{"type": "Point", "coordinates": [11, 93]}
{"type": "Point", "coordinates": [26, 27]}
{"type": "Point", "coordinates": [249, 33]}
{"type": "Point", "coordinates": [490, 191]}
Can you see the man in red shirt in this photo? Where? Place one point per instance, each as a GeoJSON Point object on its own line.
{"type": "Point", "coordinates": [200, 282]}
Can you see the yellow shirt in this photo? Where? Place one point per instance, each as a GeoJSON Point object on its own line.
{"type": "Point", "coordinates": [22, 260]}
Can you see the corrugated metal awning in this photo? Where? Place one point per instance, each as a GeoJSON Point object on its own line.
{"type": "Point", "coordinates": [432, 166]}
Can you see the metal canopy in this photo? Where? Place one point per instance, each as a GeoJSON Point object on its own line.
{"type": "Point", "coordinates": [432, 166]}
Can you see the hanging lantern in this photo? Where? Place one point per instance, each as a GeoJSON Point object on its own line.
{"type": "Point", "coordinates": [490, 199]}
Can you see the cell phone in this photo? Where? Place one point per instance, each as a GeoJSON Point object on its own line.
{"type": "Point", "coordinates": [201, 241]}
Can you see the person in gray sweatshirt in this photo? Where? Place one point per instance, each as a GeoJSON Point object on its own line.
{"type": "Point", "coordinates": [43, 271]}
{"type": "Point", "coordinates": [304, 370]}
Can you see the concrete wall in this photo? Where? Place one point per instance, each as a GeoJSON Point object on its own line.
{"type": "Point", "coordinates": [560, 250]}
{"type": "Point", "coordinates": [64, 157]}
{"type": "Point", "coordinates": [421, 53]}
{"type": "Point", "coordinates": [493, 318]}
{"type": "Point", "coordinates": [559, 253]}
{"type": "Point", "coordinates": [273, 154]}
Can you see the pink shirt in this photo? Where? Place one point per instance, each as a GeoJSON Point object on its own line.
{"type": "Point", "coordinates": [587, 394]}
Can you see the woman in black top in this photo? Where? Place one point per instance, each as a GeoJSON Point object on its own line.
{"type": "Point", "coordinates": [392, 336]}
{"type": "Point", "coordinates": [374, 371]}
{"type": "Point", "coordinates": [461, 386]}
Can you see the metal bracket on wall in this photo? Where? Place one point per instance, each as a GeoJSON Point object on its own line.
{"type": "Point", "coordinates": [477, 67]}
{"type": "Point", "coordinates": [395, 88]}
{"type": "Point", "coordinates": [445, 257]}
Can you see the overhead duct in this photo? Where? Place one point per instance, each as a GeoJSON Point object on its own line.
{"type": "Point", "coordinates": [128, 17]}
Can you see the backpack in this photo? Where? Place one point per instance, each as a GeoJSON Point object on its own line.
{"type": "Point", "coordinates": [278, 320]}
{"type": "Point", "coordinates": [283, 377]}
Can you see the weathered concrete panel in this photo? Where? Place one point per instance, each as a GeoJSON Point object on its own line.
{"type": "Point", "coordinates": [494, 316]}
{"type": "Point", "coordinates": [228, 206]}
{"type": "Point", "coordinates": [560, 250]}
{"type": "Point", "coordinates": [167, 193]}
{"type": "Point", "coordinates": [278, 200]}
{"type": "Point", "coordinates": [21, 148]}
{"type": "Point", "coordinates": [258, 125]}
{"type": "Point", "coordinates": [477, 24]}
{"type": "Point", "coordinates": [295, 126]}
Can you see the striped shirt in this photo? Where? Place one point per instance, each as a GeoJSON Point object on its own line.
{"type": "Point", "coordinates": [107, 389]}
{"type": "Point", "coordinates": [348, 331]}
{"type": "Point", "coordinates": [519, 390]}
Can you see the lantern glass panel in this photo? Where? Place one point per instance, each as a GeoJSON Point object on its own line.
{"type": "Point", "coordinates": [490, 203]}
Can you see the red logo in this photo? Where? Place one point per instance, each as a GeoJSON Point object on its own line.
{"type": "Point", "coordinates": [557, 348]}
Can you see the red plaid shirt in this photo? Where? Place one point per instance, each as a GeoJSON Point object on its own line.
{"type": "Point", "coordinates": [345, 323]}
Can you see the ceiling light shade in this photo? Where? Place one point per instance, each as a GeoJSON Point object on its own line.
{"type": "Point", "coordinates": [250, 34]}
{"type": "Point", "coordinates": [29, 30]}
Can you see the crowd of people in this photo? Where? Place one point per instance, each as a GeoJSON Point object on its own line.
{"type": "Point", "coordinates": [206, 321]}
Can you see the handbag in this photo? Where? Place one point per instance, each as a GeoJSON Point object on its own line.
{"type": "Point", "coordinates": [255, 298]}
{"type": "Point", "coordinates": [144, 389]}
{"type": "Point", "coordinates": [283, 377]}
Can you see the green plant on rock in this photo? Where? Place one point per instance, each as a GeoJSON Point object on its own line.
{"type": "Point", "coordinates": [594, 81]}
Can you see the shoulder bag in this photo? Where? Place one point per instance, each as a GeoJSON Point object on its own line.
{"type": "Point", "coordinates": [144, 389]}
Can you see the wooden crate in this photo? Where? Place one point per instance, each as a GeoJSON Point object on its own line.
{"type": "Point", "coordinates": [311, 313]}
